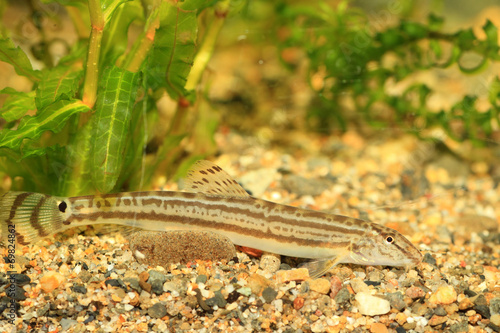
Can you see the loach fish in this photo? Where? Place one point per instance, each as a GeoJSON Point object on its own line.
{"type": "Point", "coordinates": [215, 202]}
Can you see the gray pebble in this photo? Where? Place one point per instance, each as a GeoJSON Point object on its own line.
{"type": "Point", "coordinates": [133, 283]}
{"type": "Point", "coordinates": [483, 310]}
{"type": "Point", "coordinates": [269, 294]}
{"type": "Point", "coordinates": [285, 267]}
{"type": "Point", "coordinates": [460, 327]}
{"type": "Point", "coordinates": [396, 299]}
{"type": "Point", "coordinates": [156, 280]}
{"type": "Point", "coordinates": [201, 279]}
{"type": "Point", "coordinates": [495, 305]}
{"type": "Point", "coordinates": [157, 311]}
{"type": "Point", "coordinates": [342, 296]}
{"type": "Point", "coordinates": [67, 323]}
{"type": "Point", "coordinates": [440, 311]}
{"type": "Point", "coordinates": [428, 258]}
{"type": "Point", "coordinates": [79, 289]}
{"type": "Point", "coordinates": [19, 279]}
{"type": "Point", "coordinates": [218, 300]}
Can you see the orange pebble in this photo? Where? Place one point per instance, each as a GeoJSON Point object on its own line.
{"type": "Point", "coordinates": [50, 281]}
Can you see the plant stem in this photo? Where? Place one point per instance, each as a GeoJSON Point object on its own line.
{"type": "Point", "coordinates": [92, 68]}
{"type": "Point", "coordinates": [207, 47]}
{"type": "Point", "coordinates": [141, 48]}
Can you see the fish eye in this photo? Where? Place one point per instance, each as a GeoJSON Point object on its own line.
{"type": "Point", "coordinates": [389, 239]}
{"type": "Point", "coordinates": [62, 206]}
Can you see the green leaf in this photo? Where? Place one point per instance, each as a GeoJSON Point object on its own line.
{"type": "Point", "coordinates": [77, 178]}
{"type": "Point", "coordinates": [17, 104]}
{"type": "Point", "coordinates": [57, 83]}
{"type": "Point", "coordinates": [13, 55]}
{"type": "Point", "coordinates": [115, 101]}
{"type": "Point", "coordinates": [52, 118]}
{"type": "Point", "coordinates": [491, 32]}
{"type": "Point", "coordinates": [175, 46]}
{"type": "Point", "coordinates": [115, 38]}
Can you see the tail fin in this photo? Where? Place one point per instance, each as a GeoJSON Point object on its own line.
{"type": "Point", "coordinates": [28, 217]}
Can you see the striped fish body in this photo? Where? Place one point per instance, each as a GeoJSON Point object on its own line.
{"type": "Point", "coordinates": [220, 205]}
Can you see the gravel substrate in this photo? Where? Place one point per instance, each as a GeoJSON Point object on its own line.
{"type": "Point", "coordinates": [445, 204]}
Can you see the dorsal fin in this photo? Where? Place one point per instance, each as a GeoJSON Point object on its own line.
{"type": "Point", "coordinates": [206, 177]}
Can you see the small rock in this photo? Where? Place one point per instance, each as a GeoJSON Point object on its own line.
{"type": "Point", "coordinates": [157, 311]}
{"type": "Point", "coordinates": [77, 288]}
{"type": "Point", "coordinates": [369, 305]}
{"type": "Point", "coordinates": [18, 293]}
{"type": "Point", "coordinates": [156, 280]}
{"type": "Point", "coordinates": [465, 304]}
{"type": "Point", "coordinates": [483, 310]}
{"type": "Point", "coordinates": [439, 311]}
{"type": "Point", "coordinates": [342, 296]}
{"type": "Point", "coordinates": [396, 300]}
{"type": "Point", "coordinates": [359, 286]}
{"type": "Point", "coordinates": [19, 279]}
{"type": "Point", "coordinates": [218, 300]}
{"type": "Point", "coordinates": [321, 286]}
{"type": "Point", "coordinates": [201, 279]}
{"type": "Point", "coordinates": [336, 285]}
{"type": "Point", "coordinates": [378, 328]}
{"type": "Point", "coordinates": [299, 274]}
{"type": "Point", "coordinates": [50, 281]}
{"type": "Point", "coordinates": [437, 320]}
{"type": "Point", "coordinates": [133, 283]}
{"type": "Point", "coordinates": [460, 327]}
{"type": "Point", "coordinates": [415, 292]}
{"type": "Point", "coordinates": [444, 295]}
{"type": "Point", "coordinates": [257, 283]}
{"type": "Point", "coordinates": [269, 294]}
{"type": "Point", "coordinates": [428, 258]}
{"type": "Point", "coordinates": [270, 262]}
{"type": "Point", "coordinates": [495, 319]}
{"type": "Point", "coordinates": [298, 303]}
{"type": "Point", "coordinates": [67, 323]}
{"type": "Point", "coordinates": [495, 305]}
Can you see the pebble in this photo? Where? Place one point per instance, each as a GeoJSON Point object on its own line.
{"type": "Point", "coordinates": [342, 296]}
{"type": "Point", "coordinates": [396, 300]}
{"type": "Point", "coordinates": [336, 285]}
{"type": "Point", "coordinates": [495, 305]}
{"type": "Point", "coordinates": [270, 262]}
{"type": "Point", "coordinates": [437, 320]}
{"type": "Point", "coordinates": [321, 285]}
{"type": "Point", "coordinates": [371, 305]}
{"type": "Point", "coordinates": [156, 280]}
{"type": "Point", "coordinates": [158, 310]}
{"type": "Point", "coordinates": [218, 300]}
{"type": "Point", "coordinates": [257, 283]}
{"type": "Point", "coordinates": [20, 279]}
{"type": "Point", "coordinates": [67, 323]}
{"type": "Point", "coordinates": [415, 292]}
{"type": "Point", "coordinates": [50, 281]}
{"type": "Point", "coordinates": [444, 295]}
{"type": "Point", "coordinates": [378, 328]}
{"type": "Point", "coordinates": [495, 319]}
{"type": "Point", "coordinates": [269, 294]}
{"type": "Point", "coordinates": [299, 274]}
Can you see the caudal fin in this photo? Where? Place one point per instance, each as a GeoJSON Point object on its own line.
{"type": "Point", "coordinates": [28, 217]}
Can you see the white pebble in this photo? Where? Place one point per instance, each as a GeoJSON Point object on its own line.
{"type": "Point", "coordinates": [371, 305]}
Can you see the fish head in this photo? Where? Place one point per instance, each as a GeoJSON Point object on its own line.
{"type": "Point", "coordinates": [384, 246]}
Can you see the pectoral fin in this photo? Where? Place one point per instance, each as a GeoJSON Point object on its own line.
{"type": "Point", "coordinates": [319, 267]}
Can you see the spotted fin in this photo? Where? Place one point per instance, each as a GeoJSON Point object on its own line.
{"type": "Point", "coordinates": [206, 177]}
